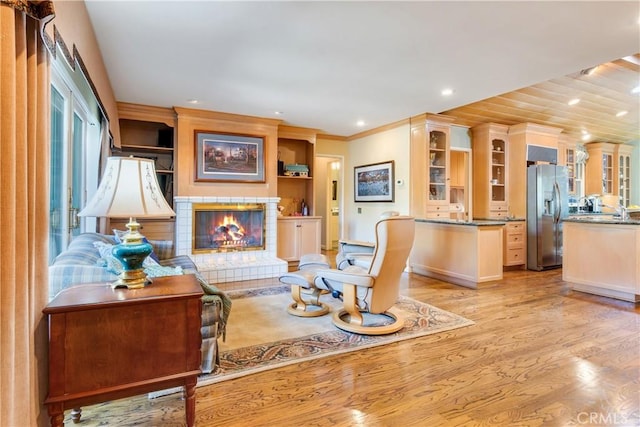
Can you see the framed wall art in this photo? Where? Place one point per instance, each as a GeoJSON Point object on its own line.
{"type": "Point", "coordinates": [229, 157]}
{"type": "Point", "coordinates": [374, 183]}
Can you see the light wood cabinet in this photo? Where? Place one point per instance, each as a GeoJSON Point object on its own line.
{"type": "Point", "coordinates": [298, 236]}
{"type": "Point", "coordinates": [600, 169]}
{"type": "Point", "coordinates": [515, 244]}
{"type": "Point", "coordinates": [490, 171]}
{"type": "Point", "coordinates": [524, 140]}
{"type": "Point", "coordinates": [149, 132]}
{"type": "Point", "coordinates": [296, 146]}
{"type": "Point", "coordinates": [622, 179]}
{"type": "Point", "coordinates": [430, 165]}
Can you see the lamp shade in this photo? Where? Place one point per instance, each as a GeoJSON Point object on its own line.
{"type": "Point", "coordinates": [129, 189]}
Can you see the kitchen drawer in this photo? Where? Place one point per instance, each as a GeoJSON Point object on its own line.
{"type": "Point", "coordinates": [515, 238]}
{"type": "Point", "coordinates": [498, 214]}
{"type": "Point", "coordinates": [498, 206]}
{"type": "Point", "coordinates": [514, 256]}
{"type": "Point", "coordinates": [436, 215]}
{"type": "Point", "coordinates": [437, 208]}
{"type": "Point", "coordinates": [516, 227]}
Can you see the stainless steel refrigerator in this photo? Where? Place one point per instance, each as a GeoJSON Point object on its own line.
{"type": "Point", "coordinates": [547, 205]}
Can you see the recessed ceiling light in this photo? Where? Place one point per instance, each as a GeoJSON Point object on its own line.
{"type": "Point", "coordinates": [193, 101]}
{"type": "Point", "coordinates": [574, 101]}
{"type": "Point", "coordinates": [635, 89]}
{"type": "Point", "coordinates": [586, 137]}
{"type": "Point", "coordinates": [621, 113]}
{"type": "Point", "coordinates": [447, 92]}
{"type": "Point", "coordinates": [278, 113]}
{"type": "Point", "coordinates": [360, 123]}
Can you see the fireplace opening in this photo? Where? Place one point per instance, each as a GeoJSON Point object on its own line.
{"type": "Point", "coordinates": [226, 227]}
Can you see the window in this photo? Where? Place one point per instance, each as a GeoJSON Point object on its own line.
{"type": "Point", "coordinates": [75, 153]}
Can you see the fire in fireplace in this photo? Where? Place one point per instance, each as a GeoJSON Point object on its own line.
{"type": "Point", "coordinates": [223, 227]}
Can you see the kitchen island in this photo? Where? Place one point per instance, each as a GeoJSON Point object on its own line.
{"type": "Point", "coordinates": [459, 252]}
{"type": "Point", "coordinates": [601, 256]}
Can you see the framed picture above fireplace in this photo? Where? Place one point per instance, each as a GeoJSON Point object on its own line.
{"type": "Point", "coordinates": [229, 157]}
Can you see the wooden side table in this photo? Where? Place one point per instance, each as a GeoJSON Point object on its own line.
{"type": "Point", "coordinates": [107, 344]}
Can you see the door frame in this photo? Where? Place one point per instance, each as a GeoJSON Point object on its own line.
{"type": "Point", "coordinates": [325, 243]}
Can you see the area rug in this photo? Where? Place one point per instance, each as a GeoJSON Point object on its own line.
{"type": "Point", "coordinates": [261, 335]}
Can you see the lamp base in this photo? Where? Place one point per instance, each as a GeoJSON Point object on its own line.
{"type": "Point", "coordinates": [133, 279]}
{"type": "Point", "coordinates": [131, 253]}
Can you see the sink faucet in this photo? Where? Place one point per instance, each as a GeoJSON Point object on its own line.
{"type": "Point", "coordinates": [620, 210]}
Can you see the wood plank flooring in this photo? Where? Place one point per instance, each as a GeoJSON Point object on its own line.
{"type": "Point", "coordinates": [539, 355]}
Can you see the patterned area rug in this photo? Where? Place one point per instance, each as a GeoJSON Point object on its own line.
{"type": "Point", "coordinates": [267, 337]}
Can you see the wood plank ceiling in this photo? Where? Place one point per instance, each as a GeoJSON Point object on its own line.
{"type": "Point", "coordinates": [603, 93]}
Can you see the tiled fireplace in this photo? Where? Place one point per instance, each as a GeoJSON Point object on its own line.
{"type": "Point", "coordinates": [235, 238]}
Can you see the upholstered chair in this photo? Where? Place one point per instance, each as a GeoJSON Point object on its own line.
{"type": "Point", "coordinates": [371, 291]}
{"type": "Point", "coordinates": [357, 252]}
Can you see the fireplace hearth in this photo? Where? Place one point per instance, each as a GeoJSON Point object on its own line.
{"type": "Point", "coordinates": [232, 246]}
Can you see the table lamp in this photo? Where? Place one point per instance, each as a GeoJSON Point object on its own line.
{"type": "Point", "coordinates": [129, 189]}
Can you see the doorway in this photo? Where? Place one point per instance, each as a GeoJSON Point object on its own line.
{"type": "Point", "coordinates": [329, 199]}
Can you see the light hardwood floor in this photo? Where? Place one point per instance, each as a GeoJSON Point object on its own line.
{"type": "Point", "coordinates": [538, 355]}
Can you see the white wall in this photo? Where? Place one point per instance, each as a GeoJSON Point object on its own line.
{"type": "Point", "coordinates": [392, 144]}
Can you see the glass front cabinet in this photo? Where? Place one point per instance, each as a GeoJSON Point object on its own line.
{"type": "Point", "coordinates": [430, 148]}
{"type": "Point", "coordinates": [490, 161]}
{"type": "Point", "coordinates": [622, 177]}
{"type": "Point", "coordinates": [599, 169]}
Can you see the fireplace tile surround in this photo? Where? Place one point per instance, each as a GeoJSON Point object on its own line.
{"type": "Point", "coordinates": [224, 267]}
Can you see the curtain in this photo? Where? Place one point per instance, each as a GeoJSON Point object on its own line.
{"type": "Point", "coordinates": [24, 189]}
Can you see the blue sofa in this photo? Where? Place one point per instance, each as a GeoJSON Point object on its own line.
{"type": "Point", "coordinates": [82, 263]}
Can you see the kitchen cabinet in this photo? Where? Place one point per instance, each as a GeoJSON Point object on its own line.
{"type": "Point", "coordinates": [148, 132]}
{"type": "Point", "coordinates": [490, 171]}
{"type": "Point", "coordinates": [429, 152]}
{"type": "Point", "coordinates": [515, 244]}
{"type": "Point", "coordinates": [526, 141]}
{"type": "Point", "coordinates": [296, 146]}
{"type": "Point", "coordinates": [600, 169]}
{"type": "Point", "coordinates": [297, 236]}
{"type": "Point", "coordinates": [622, 179]}
{"type": "Point", "coordinates": [464, 253]}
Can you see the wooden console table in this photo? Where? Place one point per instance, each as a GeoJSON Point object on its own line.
{"type": "Point", "coordinates": [107, 344]}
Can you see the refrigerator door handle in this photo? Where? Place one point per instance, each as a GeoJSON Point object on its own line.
{"type": "Point", "coordinates": [556, 190]}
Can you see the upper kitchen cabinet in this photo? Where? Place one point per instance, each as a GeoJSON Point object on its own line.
{"type": "Point", "coordinates": [622, 179]}
{"type": "Point", "coordinates": [430, 173]}
{"type": "Point", "coordinates": [529, 143]}
{"type": "Point", "coordinates": [574, 156]}
{"type": "Point", "coordinates": [296, 156]}
{"type": "Point", "coordinates": [490, 170]}
{"type": "Point", "coordinates": [600, 169]}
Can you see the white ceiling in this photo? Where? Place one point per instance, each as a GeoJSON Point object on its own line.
{"type": "Point", "coordinates": [326, 65]}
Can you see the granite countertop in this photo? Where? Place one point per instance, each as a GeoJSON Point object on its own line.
{"type": "Point", "coordinates": [514, 219]}
{"type": "Point", "coordinates": [600, 219]}
{"type": "Point", "coordinates": [472, 223]}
